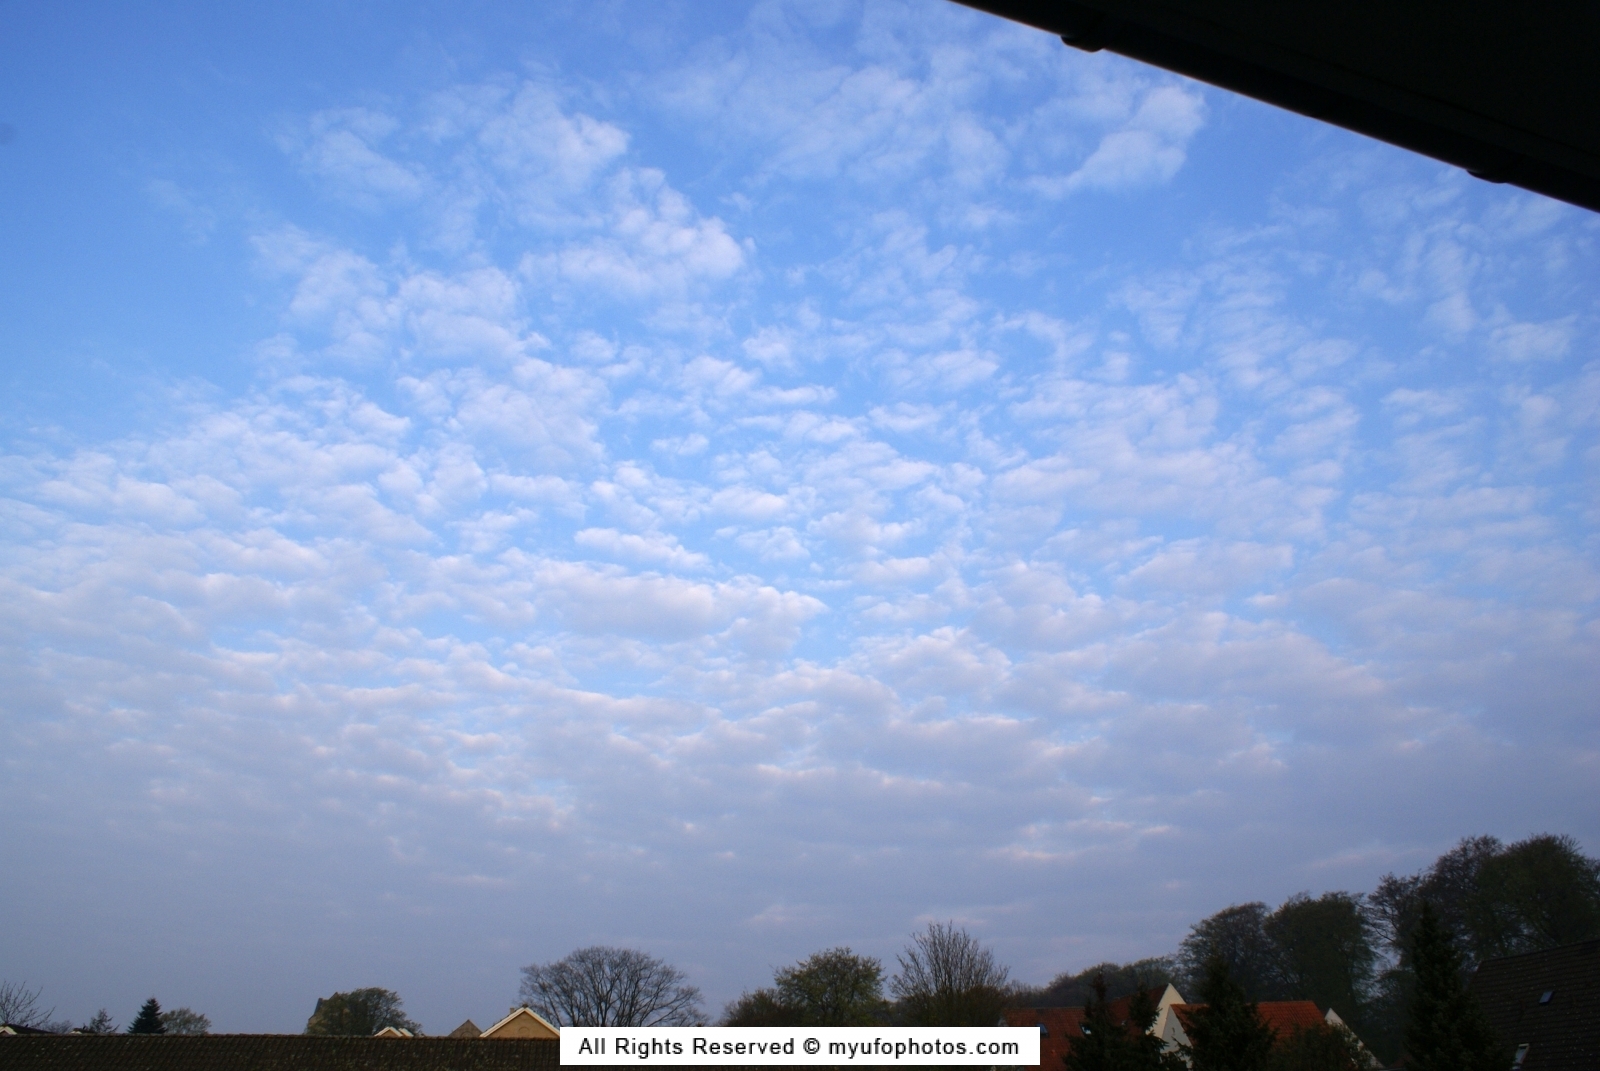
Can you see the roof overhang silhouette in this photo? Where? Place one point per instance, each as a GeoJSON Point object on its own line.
{"type": "Point", "coordinates": [1506, 90]}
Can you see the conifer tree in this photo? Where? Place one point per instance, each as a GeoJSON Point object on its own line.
{"type": "Point", "coordinates": [148, 1021]}
{"type": "Point", "coordinates": [1226, 1033]}
{"type": "Point", "coordinates": [1445, 1027]}
{"type": "Point", "coordinates": [1126, 1044]}
{"type": "Point", "coordinates": [1146, 1051]}
{"type": "Point", "coordinates": [1099, 1048]}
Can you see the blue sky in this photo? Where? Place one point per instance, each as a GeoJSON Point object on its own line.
{"type": "Point", "coordinates": [479, 480]}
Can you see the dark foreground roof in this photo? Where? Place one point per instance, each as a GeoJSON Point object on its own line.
{"type": "Point", "coordinates": [281, 1052]}
{"type": "Point", "coordinates": [274, 1052]}
{"type": "Point", "coordinates": [1562, 1032]}
{"type": "Point", "coordinates": [1504, 88]}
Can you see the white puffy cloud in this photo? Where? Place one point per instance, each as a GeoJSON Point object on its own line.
{"type": "Point", "coordinates": [1147, 147]}
{"type": "Point", "coordinates": [895, 108]}
{"type": "Point", "coordinates": [654, 242]}
{"type": "Point", "coordinates": [339, 146]}
{"type": "Point", "coordinates": [1531, 342]}
{"type": "Point", "coordinates": [731, 547]}
{"type": "Point", "coordinates": [648, 548]}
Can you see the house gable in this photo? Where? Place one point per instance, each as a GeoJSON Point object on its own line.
{"type": "Point", "coordinates": [1058, 1027]}
{"type": "Point", "coordinates": [522, 1022]}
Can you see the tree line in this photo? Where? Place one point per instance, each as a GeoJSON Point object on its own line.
{"type": "Point", "coordinates": [1443, 1029]}
{"type": "Point", "coordinates": [1375, 958]}
{"type": "Point", "coordinates": [1356, 953]}
{"type": "Point", "coordinates": [19, 1006]}
{"type": "Point", "coordinates": [946, 978]}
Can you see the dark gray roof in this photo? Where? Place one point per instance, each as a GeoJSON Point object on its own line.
{"type": "Point", "coordinates": [280, 1052]}
{"type": "Point", "coordinates": [1504, 88]}
{"type": "Point", "coordinates": [274, 1052]}
{"type": "Point", "coordinates": [1563, 1032]}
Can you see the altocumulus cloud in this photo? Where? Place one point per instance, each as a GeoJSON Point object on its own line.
{"type": "Point", "coordinates": [737, 563]}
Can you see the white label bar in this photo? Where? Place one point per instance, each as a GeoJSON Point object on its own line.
{"type": "Point", "coordinates": [867, 1046]}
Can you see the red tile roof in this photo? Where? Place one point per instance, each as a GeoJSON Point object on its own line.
{"type": "Point", "coordinates": [1287, 1016]}
{"type": "Point", "coordinates": [1061, 1026]}
{"type": "Point", "coordinates": [1284, 1016]}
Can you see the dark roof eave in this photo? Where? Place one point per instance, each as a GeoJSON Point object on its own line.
{"type": "Point", "coordinates": [1180, 37]}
